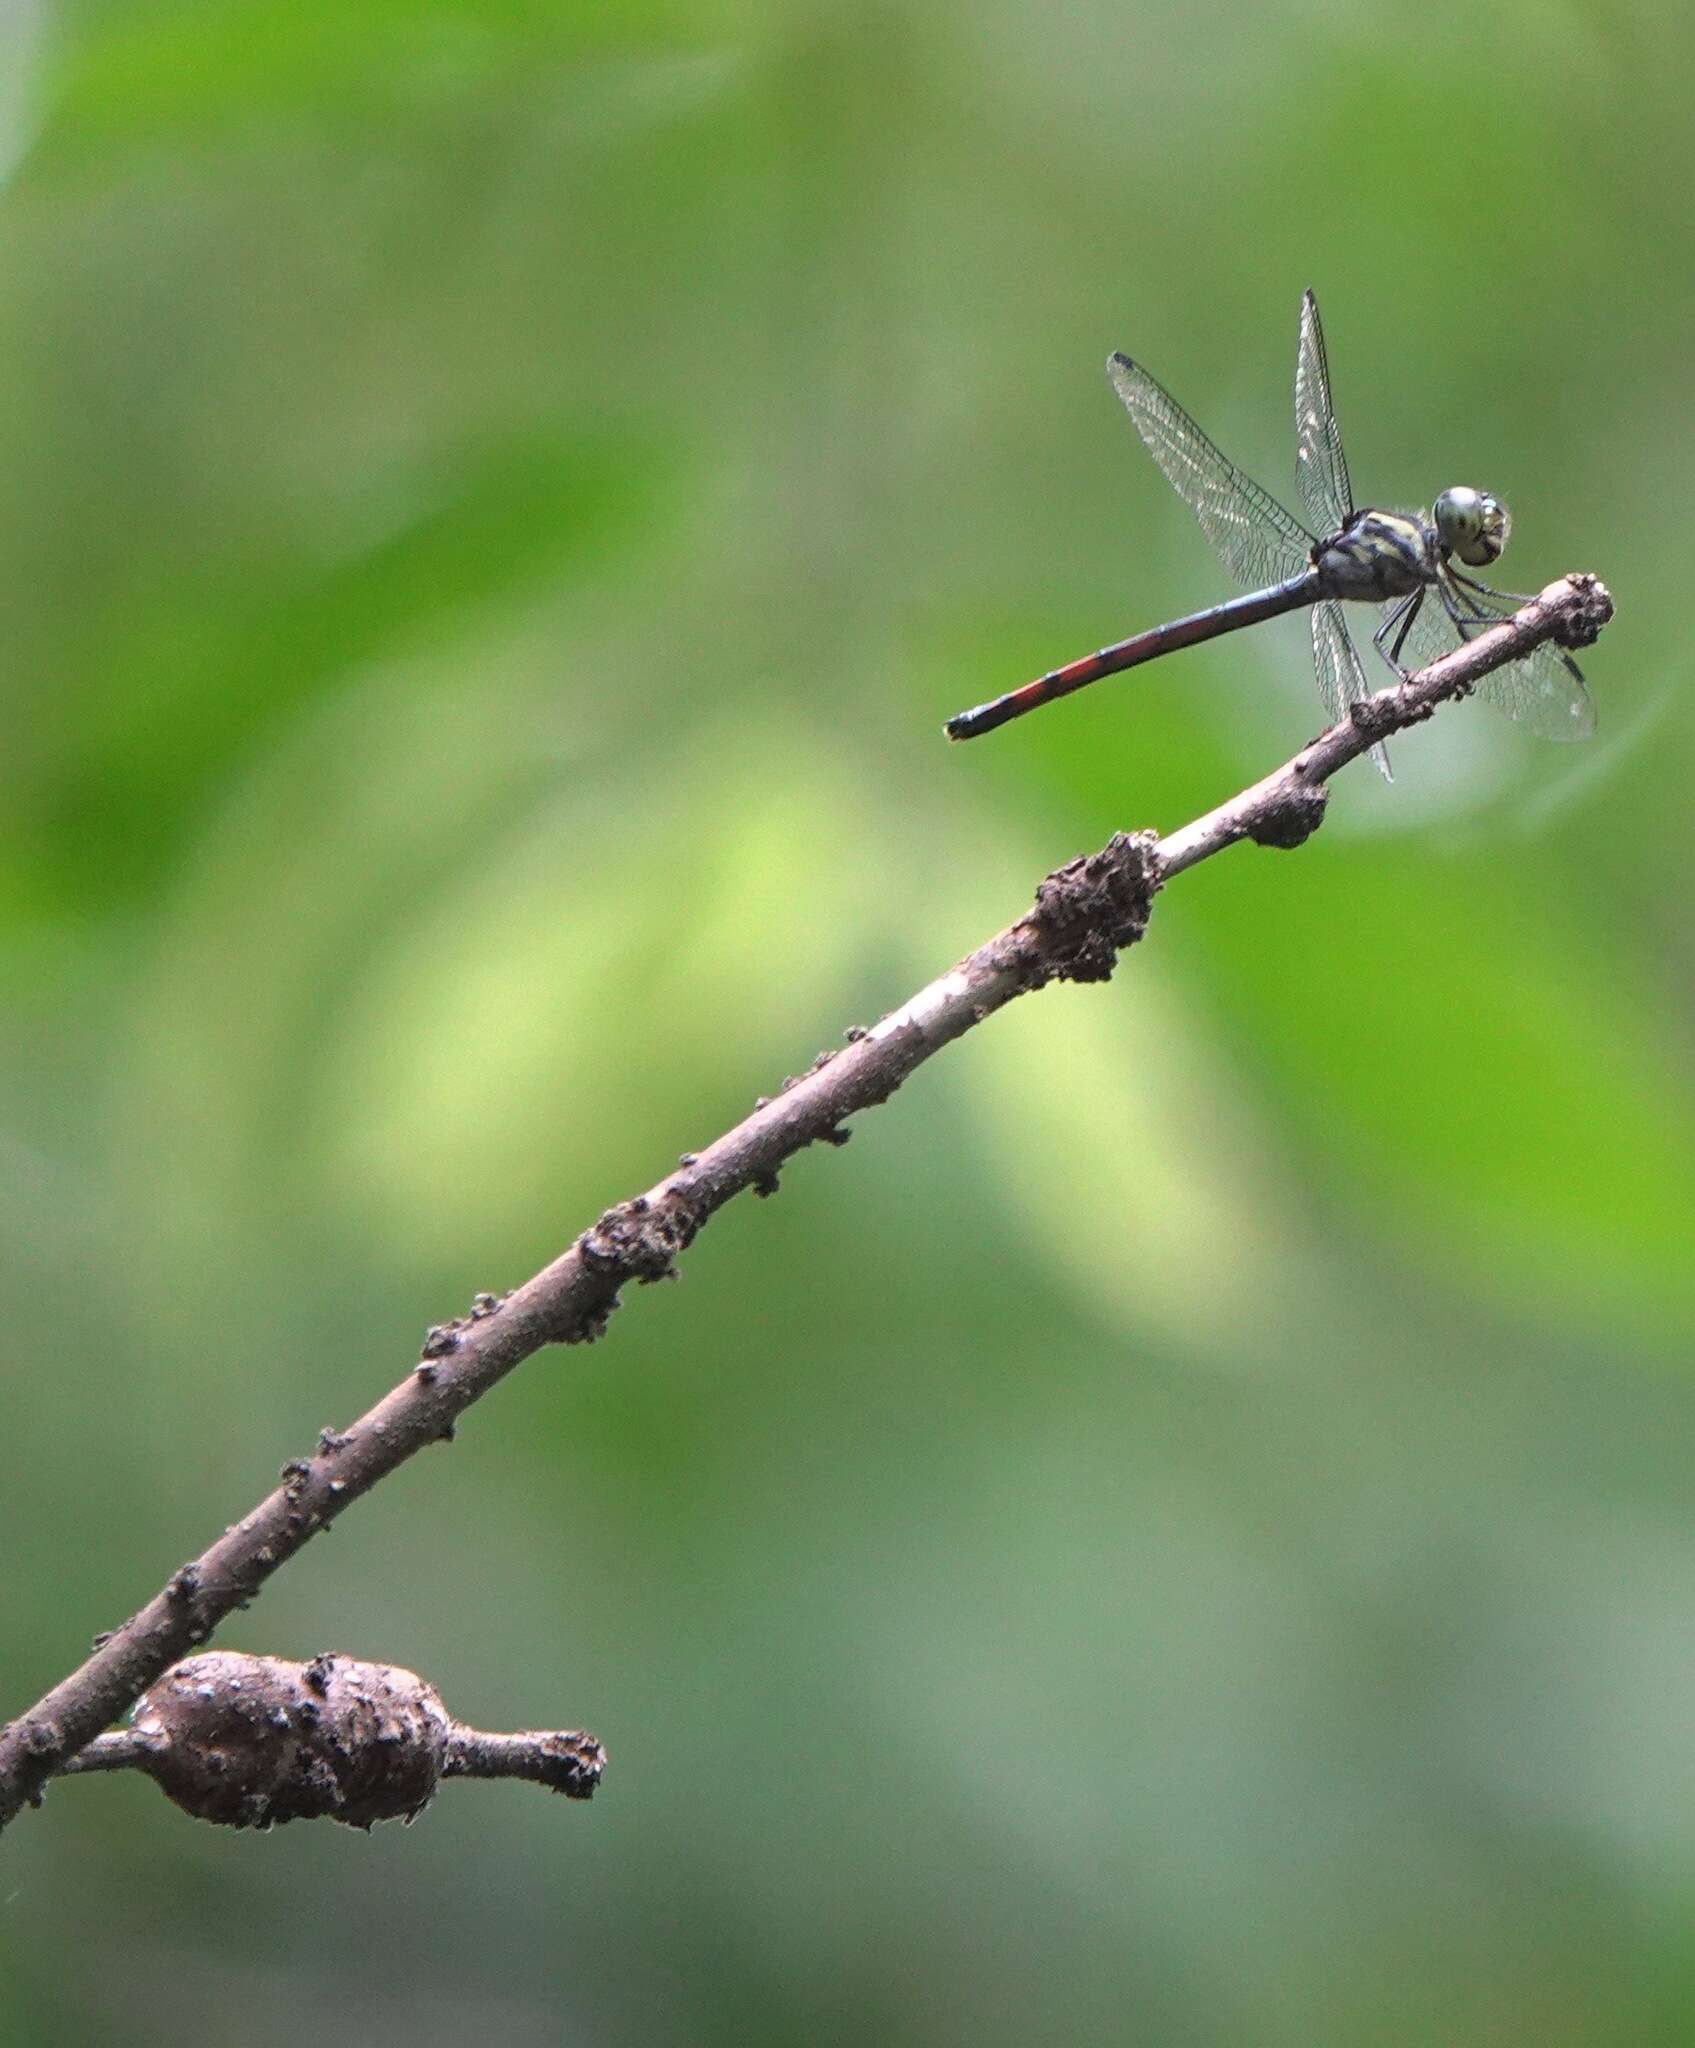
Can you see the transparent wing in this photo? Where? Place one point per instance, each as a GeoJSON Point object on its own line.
{"type": "Point", "coordinates": [1545, 692]}
{"type": "Point", "coordinates": [1320, 465]}
{"type": "Point", "coordinates": [1341, 680]}
{"type": "Point", "coordinates": [1257, 540]}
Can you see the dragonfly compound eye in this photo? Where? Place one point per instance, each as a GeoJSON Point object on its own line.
{"type": "Point", "coordinates": [1497, 526]}
{"type": "Point", "coordinates": [1473, 525]}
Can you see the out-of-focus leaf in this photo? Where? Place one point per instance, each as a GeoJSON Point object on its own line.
{"type": "Point", "coordinates": [1484, 1060]}
{"type": "Point", "coordinates": [183, 71]}
{"type": "Point", "coordinates": [208, 655]}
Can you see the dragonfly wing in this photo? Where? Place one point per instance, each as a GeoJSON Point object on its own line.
{"type": "Point", "coordinates": [1545, 692]}
{"type": "Point", "coordinates": [1257, 539]}
{"type": "Point", "coordinates": [1341, 680]}
{"type": "Point", "coordinates": [1320, 465]}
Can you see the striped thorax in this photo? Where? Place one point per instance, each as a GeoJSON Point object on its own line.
{"type": "Point", "coordinates": [1377, 556]}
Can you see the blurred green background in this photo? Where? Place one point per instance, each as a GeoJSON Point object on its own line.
{"type": "Point", "coordinates": [1184, 1532]}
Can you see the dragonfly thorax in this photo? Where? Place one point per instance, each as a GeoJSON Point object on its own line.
{"type": "Point", "coordinates": [1472, 524]}
{"type": "Point", "coordinates": [1377, 556]}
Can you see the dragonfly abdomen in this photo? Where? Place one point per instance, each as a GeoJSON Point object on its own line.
{"type": "Point", "coordinates": [1228, 617]}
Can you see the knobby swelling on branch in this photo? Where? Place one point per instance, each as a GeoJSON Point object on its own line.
{"type": "Point", "coordinates": [250, 1742]}
{"type": "Point", "coordinates": [1084, 915]}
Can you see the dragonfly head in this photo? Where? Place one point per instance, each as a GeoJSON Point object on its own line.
{"type": "Point", "coordinates": [1473, 525]}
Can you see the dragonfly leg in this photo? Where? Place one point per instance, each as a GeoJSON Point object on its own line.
{"type": "Point", "coordinates": [1403, 615]}
{"type": "Point", "coordinates": [1466, 622]}
{"type": "Point", "coordinates": [1470, 583]}
{"type": "Point", "coordinates": [1478, 614]}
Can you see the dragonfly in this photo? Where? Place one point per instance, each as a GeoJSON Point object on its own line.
{"type": "Point", "coordinates": [1411, 566]}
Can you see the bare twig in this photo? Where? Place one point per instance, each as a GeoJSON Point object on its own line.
{"type": "Point", "coordinates": [564, 1760]}
{"type": "Point", "coordinates": [121, 1749]}
{"type": "Point", "coordinates": [1084, 915]}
